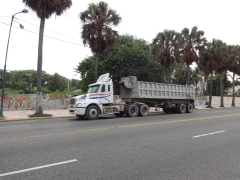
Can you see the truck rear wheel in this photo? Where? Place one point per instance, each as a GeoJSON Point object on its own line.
{"type": "Point", "coordinates": [189, 108]}
{"type": "Point", "coordinates": [166, 110]}
{"type": "Point", "coordinates": [132, 110]}
{"type": "Point", "coordinates": [143, 110]}
{"type": "Point", "coordinates": [92, 112]}
{"type": "Point", "coordinates": [178, 108]}
{"type": "Point", "coordinates": [182, 108]}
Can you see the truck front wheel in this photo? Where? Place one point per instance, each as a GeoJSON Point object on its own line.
{"type": "Point", "coordinates": [92, 112]}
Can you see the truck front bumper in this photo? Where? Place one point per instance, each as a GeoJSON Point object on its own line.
{"type": "Point", "coordinates": [77, 111]}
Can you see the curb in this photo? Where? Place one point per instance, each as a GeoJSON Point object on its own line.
{"type": "Point", "coordinates": [37, 118]}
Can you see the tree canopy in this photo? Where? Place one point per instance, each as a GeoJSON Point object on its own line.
{"type": "Point", "coordinates": [129, 56]}
{"type": "Point", "coordinates": [96, 29]}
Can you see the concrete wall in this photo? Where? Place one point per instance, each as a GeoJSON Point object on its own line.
{"type": "Point", "coordinates": [201, 101]}
{"type": "Point", "coordinates": [28, 101]}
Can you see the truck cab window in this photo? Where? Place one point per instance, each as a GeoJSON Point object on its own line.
{"type": "Point", "coordinates": [103, 88]}
{"type": "Point", "coordinates": [108, 88]}
{"type": "Point", "coordinates": [93, 89]}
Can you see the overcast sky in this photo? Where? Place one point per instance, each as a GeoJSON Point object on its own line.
{"type": "Point", "coordinates": [144, 19]}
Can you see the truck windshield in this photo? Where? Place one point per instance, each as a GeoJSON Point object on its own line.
{"type": "Point", "coordinates": [93, 89]}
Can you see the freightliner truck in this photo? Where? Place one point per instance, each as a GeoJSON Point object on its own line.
{"type": "Point", "coordinates": [136, 98]}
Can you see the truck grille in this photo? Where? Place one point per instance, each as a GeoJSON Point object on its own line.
{"type": "Point", "coordinates": [72, 101]}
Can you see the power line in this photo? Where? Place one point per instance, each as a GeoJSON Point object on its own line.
{"type": "Point", "coordinates": [47, 29]}
{"type": "Point", "coordinates": [44, 28]}
{"type": "Point", "coordinates": [113, 53]}
{"type": "Point", "coordinates": [44, 35]}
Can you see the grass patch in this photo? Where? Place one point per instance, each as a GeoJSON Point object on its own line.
{"type": "Point", "coordinates": [40, 115]}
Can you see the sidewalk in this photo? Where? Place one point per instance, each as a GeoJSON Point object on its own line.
{"type": "Point", "coordinates": [20, 115]}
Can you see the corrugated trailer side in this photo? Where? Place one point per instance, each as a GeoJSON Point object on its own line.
{"type": "Point", "coordinates": [165, 91]}
{"type": "Point", "coordinates": [131, 88]}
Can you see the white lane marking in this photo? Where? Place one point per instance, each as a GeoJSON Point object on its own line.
{"type": "Point", "coordinates": [14, 126]}
{"type": "Point", "coordinates": [208, 134]}
{"type": "Point", "coordinates": [39, 167]}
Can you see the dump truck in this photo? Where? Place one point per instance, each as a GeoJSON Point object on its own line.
{"type": "Point", "coordinates": [136, 98]}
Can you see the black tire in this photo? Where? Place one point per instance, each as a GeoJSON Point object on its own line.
{"type": "Point", "coordinates": [132, 110]}
{"type": "Point", "coordinates": [189, 108]}
{"type": "Point", "coordinates": [167, 110]}
{"type": "Point", "coordinates": [173, 110]}
{"type": "Point", "coordinates": [178, 108]}
{"type": "Point", "coordinates": [92, 112]}
{"type": "Point", "coordinates": [126, 110]}
{"type": "Point", "coordinates": [182, 108]}
{"type": "Point", "coordinates": [164, 110]}
{"type": "Point", "coordinates": [143, 110]}
{"type": "Point", "coordinates": [120, 114]}
{"type": "Point", "coordinates": [81, 116]}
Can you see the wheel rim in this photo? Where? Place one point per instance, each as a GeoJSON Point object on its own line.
{"type": "Point", "coordinates": [133, 110]}
{"type": "Point", "coordinates": [93, 113]}
{"type": "Point", "coordinates": [182, 108]}
{"type": "Point", "coordinates": [190, 107]}
{"type": "Point", "coordinates": [143, 110]}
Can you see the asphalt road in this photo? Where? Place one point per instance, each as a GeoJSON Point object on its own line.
{"type": "Point", "coordinates": [198, 146]}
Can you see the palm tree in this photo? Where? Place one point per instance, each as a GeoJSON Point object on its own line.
{"type": "Point", "coordinates": [191, 42]}
{"type": "Point", "coordinates": [208, 64]}
{"type": "Point", "coordinates": [197, 75]}
{"type": "Point", "coordinates": [179, 75]}
{"type": "Point", "coordinates": [221, 57]}
{"type": "Point", "coordinates": [97, 32]}
{"type": "Point", "coordinates": [44, 10]}
{"type": "Point", "coordinates": [233, 66]}
{"type": "Point", "coordinates": [166, 50]}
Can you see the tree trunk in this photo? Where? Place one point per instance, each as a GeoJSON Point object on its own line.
{"type": "Point", "coordinates": [233, 91]}
{"type": "Point", "coordinates": [202, 92]}
{"type": "Point", "coordinates": [188, 74]}
{"type": "Point", "coordinates": [217, 88]}
{"type": "Point", "coordinates": [96, 67]}
{"type": "Point", "coordinates": [207, 87]}
{"type": "Point", "coordinates": [221, 90]}
{"type": "Point", "coordinates": [210, 95]}
{"type": "Point", "coordinates": [169, 75]}
{"type": "Point", "coordinates": [39, 109]}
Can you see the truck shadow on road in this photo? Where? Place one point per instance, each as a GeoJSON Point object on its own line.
{"type": "Point", "coordinates": [113, 117]}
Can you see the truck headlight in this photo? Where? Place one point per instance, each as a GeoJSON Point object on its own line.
{"type": "Point", "coordinates": [79, 104]}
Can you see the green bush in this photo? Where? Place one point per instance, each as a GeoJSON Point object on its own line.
{"type": "Point", "coordinates": [33, 91]}
{"type": "Point", "coordinates": [46, 91]}
{"type": "Point", "coordinates": [9, 91]}
{"type": "Point", "coordinates": [21, 91]}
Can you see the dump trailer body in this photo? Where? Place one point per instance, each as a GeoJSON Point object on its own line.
{"type": "Point", "coordinates": [140, 90]}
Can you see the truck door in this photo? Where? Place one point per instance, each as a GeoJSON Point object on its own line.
{"type": "Point", "coordinates": [104, 97]}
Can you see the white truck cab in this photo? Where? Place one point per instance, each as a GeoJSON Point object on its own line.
{"type": "Point", "coordinates": [92, 104]}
